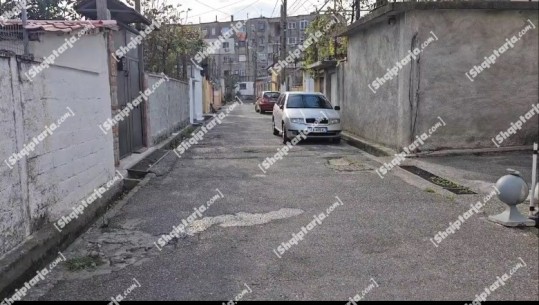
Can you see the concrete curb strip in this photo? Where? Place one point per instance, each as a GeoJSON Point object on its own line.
{"type": "Point", "coordinates": [21, 263]}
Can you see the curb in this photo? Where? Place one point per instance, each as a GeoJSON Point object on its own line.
{"type": "Point", "coordinates": [381, 151]}
{"type": "Point", "coordinates": [367, 146]}
{"type": "Point", "coordinates": [20, 264]}
{"type": "Point", "coordinates": [105, 219]}
{"type": "Point", "coordinates": [42, 246]}
{"type": "Point", "coordinates": [470, 151]}
{"type": "Point", "coordinates": [377, 153]}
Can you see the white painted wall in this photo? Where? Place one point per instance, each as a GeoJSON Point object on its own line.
{"type": "Point", "coordinates": [334, 98]}
{"type": "Point", "coordinates": [168, 108]}
{"type": "Point", "coordinates": [195, 95]}
{"type": "Point", "coordinates": [308, 82]}
{"type": "Point", "coordinates": [249, 89]}
{"type": "Point", "coordinates": [69, 164]}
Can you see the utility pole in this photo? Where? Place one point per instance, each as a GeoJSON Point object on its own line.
{"type": "Point", "coordinates": [140, 50]}
{"type": "Point", "coordinates": [255, 59]}
{"type": "Point", "coordinates": [335, 37]}
{"type": "Point", "coordinates": [283, 46]}
{"type": "Point", "coordinates": [102, 11]}
{"type": "Point", "coordinates": [140, 53]}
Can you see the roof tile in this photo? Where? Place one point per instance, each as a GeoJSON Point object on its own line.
{"type": "Point", "coordinates": [65, 26]}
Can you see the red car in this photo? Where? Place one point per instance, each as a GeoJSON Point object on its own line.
{"type": "Point", "coordinates": [266, 100]}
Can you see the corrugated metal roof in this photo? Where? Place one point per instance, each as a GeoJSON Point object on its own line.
{"type": "Point", "coordinates": [65, 26]}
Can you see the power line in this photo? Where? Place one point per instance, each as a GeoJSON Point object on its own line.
{"type": "Point", "coordinates": [276, 2]}
{"type": "Point", "coordinates": [248, 6]}
{"type": "Point", "coordinates": [299, 7]}
{"type": "Point", "coordinates": [216, 9]}
{"type": "Point", "coordinates": [296, 4]}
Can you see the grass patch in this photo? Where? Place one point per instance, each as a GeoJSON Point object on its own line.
{"type": "Point", "coordinates": [82, 263]}
{"type": "Point", "coordinates": [449, 184]}
{"type": "Point", "coordinates": [184, 134]}
{"type": "Point", "coordinates": [429, 190]}
{"type": "Point", "coordinates": [188, 130]}
{"type": "Point", "coordinates": [451, 198]}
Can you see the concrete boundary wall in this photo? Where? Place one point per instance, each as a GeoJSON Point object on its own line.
{"type": "Point", "coordinates": [67, 164]}
{"type": "Point", "coordinates": [167, 106]}
{"type": "Point", "coordinates": [435, 85]}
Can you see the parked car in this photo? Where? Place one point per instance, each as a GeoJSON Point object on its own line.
{"type": "Point", "coordinates": [306, 111]}
{"type": "Point", "coordinates": [266, 100]}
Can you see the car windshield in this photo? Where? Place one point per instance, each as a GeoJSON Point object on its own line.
{"type": "Point", "coordinates": [272, 95]}
{"type": "Point", "coordinates": [307, 101]}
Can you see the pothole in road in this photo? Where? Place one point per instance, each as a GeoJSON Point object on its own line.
{"type": "Point", "coordinates": [99, 252]}
{"type": "Point", "coordinates": [102, 251]}
{"type": "Point", "coordinates": [346, 165]}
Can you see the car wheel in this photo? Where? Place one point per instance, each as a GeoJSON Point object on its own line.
{"type": "Point", "coordinates": [285, 136]}
{"type": "Point", "coordinates": [275, 131]}
{"type": "Point", "coordinates": [261, 111]}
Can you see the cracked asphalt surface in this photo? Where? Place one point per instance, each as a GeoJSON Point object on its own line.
{"type": "Point", "coordinates": [381, 232]}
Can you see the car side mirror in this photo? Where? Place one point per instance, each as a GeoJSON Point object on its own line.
{"type": "Point", "coordinates": [337, 107]}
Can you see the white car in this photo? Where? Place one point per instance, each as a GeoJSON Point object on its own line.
{"type": "Point", "coordinates": [308, 112]}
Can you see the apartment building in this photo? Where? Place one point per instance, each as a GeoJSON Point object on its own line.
{"type": "Point", "coordinates": [251, 51]}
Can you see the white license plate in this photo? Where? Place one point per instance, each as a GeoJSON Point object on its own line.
{"type": "Point", "coordinates": [318, 129]}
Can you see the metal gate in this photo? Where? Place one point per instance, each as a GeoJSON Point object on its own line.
{"type": "Point", "coordinates": [129, 88]}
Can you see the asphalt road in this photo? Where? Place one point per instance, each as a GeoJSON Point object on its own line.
{"type": "Point", "coordinates": [380, 234]}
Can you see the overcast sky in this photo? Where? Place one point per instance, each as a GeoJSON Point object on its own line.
{"type": "Point", "coordinates": [206, 10]}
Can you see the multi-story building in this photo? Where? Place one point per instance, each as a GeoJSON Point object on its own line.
{"type": "Point", "coordinates": [255, 47]}
{"type": "Point", "coordinates": [264, 39]}
{"type": "Point", "coordinates": [226, 59]}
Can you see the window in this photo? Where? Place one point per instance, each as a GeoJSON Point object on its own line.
{"type": "Point", "coordinates": [225, 45]}
{"type": "Point", "coordinates": [242, 58]}
{"type": "Point", "coordinates": [307, 101]}
{"type": "Point", "coordinates": [272, 95]}
{"type": "Point", "coordinates": [213, 31]}
{"type": "Point", "coordinates": [243, 86]}
{"type": "Point", "coordinates": [236, 72]}
{"type": "Point", "coordinates": [291, 40]}
{"type": "Point", "coordinates": [303, 24]}
{"type": "Point", "coordinates": [241, 44]}
{"type": "Point", "coordinates": [261, 40]}
{"type": "Point", "coordinates": [261, 26]}
{"type": "Point", "coordinates": [242, 72]}
{"type": "Point", "coordinates": [291, 26]}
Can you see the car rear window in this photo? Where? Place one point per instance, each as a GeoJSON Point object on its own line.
{"type": "Point", "coordinates": [307, 101]}
{"type": "Point", "coordinates": [272, 95]}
